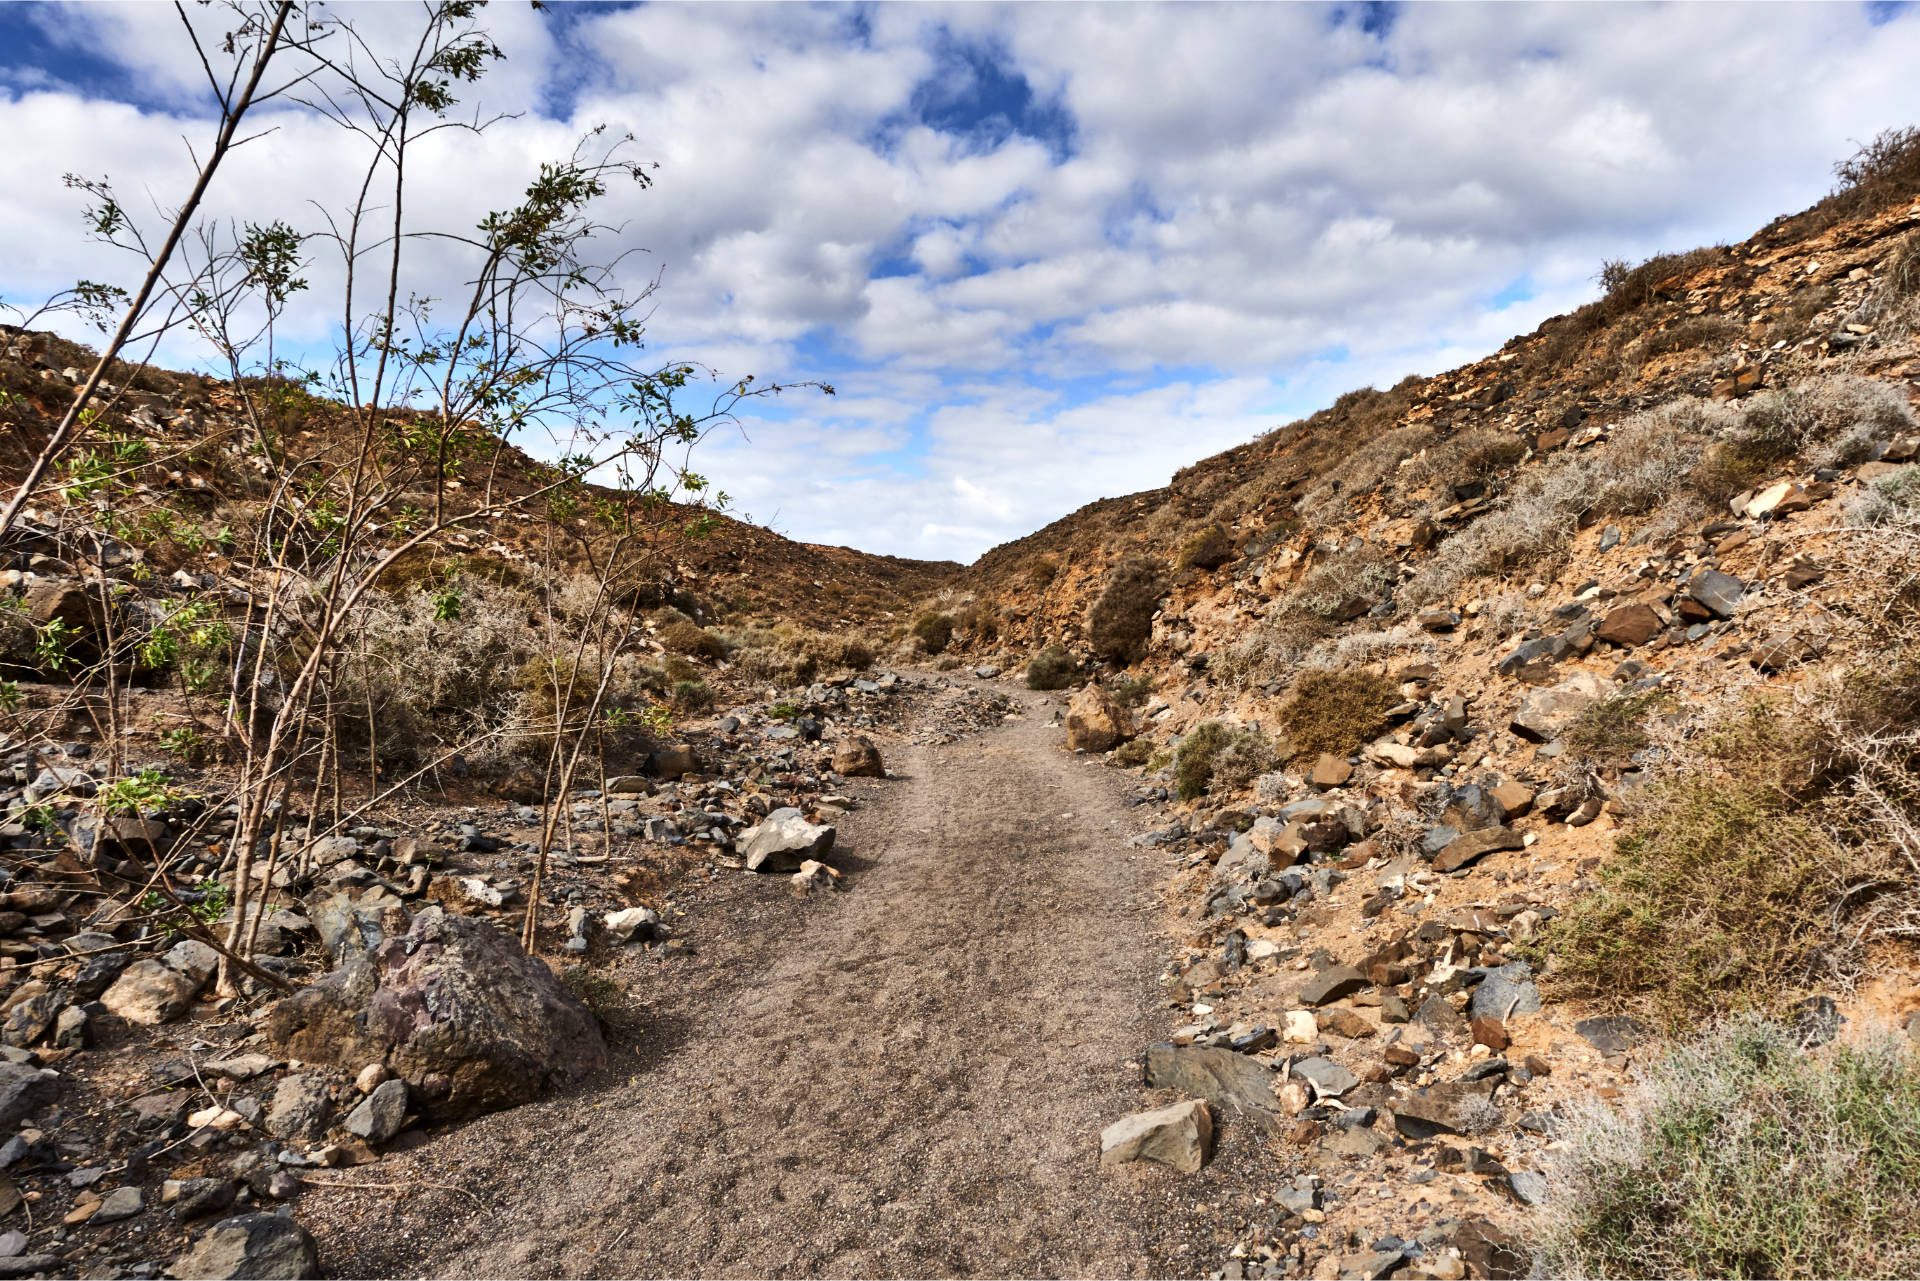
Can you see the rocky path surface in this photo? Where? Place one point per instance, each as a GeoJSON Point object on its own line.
{"type": "Point", "coordinates": [905, 1078]}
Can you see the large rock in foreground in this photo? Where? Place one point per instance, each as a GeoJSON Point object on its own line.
{"type": "Point", "coordinates": [1178, 1135]}
{"type": "Point", "coordinates": [265, 1247]}
{"type": "Point", "coordinates": [785, 840]}
{"type": "Point", "coordinates": [1095, 722]}
{"type": "Point", "coordinates": [454, 1008]}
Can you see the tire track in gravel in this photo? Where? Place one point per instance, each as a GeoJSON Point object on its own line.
{"type": "Point", "coordinates": [906, 1078]}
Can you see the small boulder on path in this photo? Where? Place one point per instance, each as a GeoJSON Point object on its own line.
{"type": "Point", "coordinates": [1179, 1135]}
{"type": "Point", "coordinates": [454, 997]}
{"type": "Point", "coordinates": [857, 757]}
{"type": "Point", "coordinates": [1096, 722]}
{"type": "Point", "coordinates": [785, 840]}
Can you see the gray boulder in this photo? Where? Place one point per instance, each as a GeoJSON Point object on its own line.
{"type": "Point", "coordinates": [151, 992]}
{"type": "Point", "coordinates": [381, 1114]}
{"type": "Point", "coordinates": [1719, 593]}
{"type": "Point", "coordinates": [785, 840]}
{"type": "Point", "coordinates": [1547, 713]}
{"type": "Point", "coordinates": [23, 1091]}
{"type": "Point", "coordinates": [1231, 1082]}
{"type": "Point", "coordinates": [261, 1247]}
{"type": "Point", "coordinates": [454, 997]}
{"type": "Point", "coordinates": [1178, 1135]}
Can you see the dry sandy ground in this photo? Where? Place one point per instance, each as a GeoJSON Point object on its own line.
{"type": "Point", "coordinates": [906, 1078]}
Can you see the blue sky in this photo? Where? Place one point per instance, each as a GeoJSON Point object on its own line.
{"type": "Point", "coordinates": [1047, 253]}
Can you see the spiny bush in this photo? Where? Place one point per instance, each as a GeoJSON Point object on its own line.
{"type": "Point", "coordinates": [1781, 425]}
{"type": "Point", "coordinates": [1052, 668]}
{"type": "Point", "coordinates": [1214, 752]}
{"type": "Point", "coordinates": [1765, 866]}
{"type": "Point", "coordinates": [1647, 460]}
{"type": "Point", "coordinates": [934, 630]}
{"type": "Point", "coordinates": [1133, 752]}
{"type": "Point", "coordinates": [1208, 549]}
{"type": "Point", "coordinates": [797, 656]}
{"type": "Point", "coordinates": [1336, 711]}
{"type": "Point", "coordinates": [1883, 172]}
{"type": "Point", "coordinates": [1131, 691]}
{"type": "Point", "coordinates": [1609, 731]}
{"type": "Point", "coordinates": [1042, 569]}
{"type": "Point", "coordinates": [1744, 1154]}
{"type": "Point", "coordinates": [1121, 620]}
{"type": "Point", "coordinates": [691, 696]}
{"type": "Point", "coordinates": [688, 638]}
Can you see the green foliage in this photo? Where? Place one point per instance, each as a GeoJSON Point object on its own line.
{"type": "Point", "coordinates": [1744, 1154]}
{"type": "Point", "coordinates": [1121, 620]}
{"type": "Point", "coordinates": [935, 631]}
{"type": "Point", "coordinates": [1336, 712]}
{"type": "Point", "coordinates": [52, 642]}
{"type": "Point", "coordinates": [1135, 751]}
{"type": "Point", "coordinates": [10, 699]}
{"type": "Point", "coordinates": [1052, 668]}
{"type": "Point", "coordinates": [147, 790]}
{"type": "Point", "coordinates": [784, 711]}
{"type": "Point", "coordinates": [601, 995]}
{"type": "Point", "coordinates": [214, 902]}
{"type": "Point", "coordinates": [185, 742]}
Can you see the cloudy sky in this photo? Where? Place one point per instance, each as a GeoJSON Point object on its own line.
{"type": "Point", "coordinates": [1046, 253]}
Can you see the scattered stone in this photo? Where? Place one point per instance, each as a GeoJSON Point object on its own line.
{"type": "Point", "coordinates": [381, 1114]}
{"type": "Point", "coordinates": [121, 1203]}
{"type": "Point", "coordinates": [1452, 1107]}
{"type": "Point", "coordinates": [1546, 714]}
{"type": "Point", "coordinates": [1300, 1028]}
{"type": "Point", "coordinates": [150, 992]}
{"type": "Point", "coordinates": [1505, 992]}
{"type": "Point", "coordinates": [1179, 1135]}
{"type": "Point", "coordinates": [196, 1198]}
{"type": "Point", "coordinates": [1630, 625]}
{"type": "Point", "coordinates": [24, 1091]}
{"type": "Point", "coordinates": [785, 840]}
{"type": "Point", "coordinates": [1718, 592]}
{"type": "Point", "coordinates": [1325, 1076]}
{"type": "Point", "coordinates": [1615, 1034]}
{"type": "Point", "coordinates": [301, 1108]}
{"type": "Point", "coordinates": [814, 878]}
{"type": "Point", "coordinates": [1331, 984]}
{"type": "Point", "coordinates": [1330, 771]}
{"type": "Point", "coordinates": [260, 1247]}
{"type": "Point", "coordinates": [1231, 1082]}
{"type": "Point", "coordinates": [1463, 850]}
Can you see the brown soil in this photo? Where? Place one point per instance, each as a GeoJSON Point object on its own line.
{"type": "Point", "coordinates": [906, 1078]}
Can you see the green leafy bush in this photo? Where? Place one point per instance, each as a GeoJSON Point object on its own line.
{"type": "Point", "coordinates": [1218, 756]}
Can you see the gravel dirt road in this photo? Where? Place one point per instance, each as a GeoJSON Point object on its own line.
{"type": "Point", "coordinates": [905, 1078]}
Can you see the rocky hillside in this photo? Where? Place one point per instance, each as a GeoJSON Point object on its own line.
{"type": "Point", "coordinates": [192, 468]}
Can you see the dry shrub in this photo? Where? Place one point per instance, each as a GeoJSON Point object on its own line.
{"type": "Point", "coordinates": [1356, 466]}
{"type": "Point", "coordinates": [1336, 711]}
{"type": "Point", "coordinates": [1215, 756]}
{"type": "Point", "coordinates": [1465, 456]}
{"type": "Point", "coordinates": [1608, 731]}
{"type": "Point", "coordinates": [1744, 1153]}
{"type": "Point", "coordinates": [981, 618]}
{"type": "Point", "coordinates": [934, 630]}
{"type": "Point", "coordinates": [1052, 668]}
{"type": "Point", "coordinates": [789, 655]}
{"type": "Point", "coordinates": [1767, 865]}
{"type": "Point", "coordinates": [1688, 334]}
{"type": "Point", "coordinates": [1131, 691]}
{"type": "Point", "coordinates": [694, 641]}
{"type": "Point", "coordinates": [1645, 461]}
{"type": "Point", "coordinates": [1829, 420]}
{"type": "Point", "coordinates": [1121, 620]}
{"type": "Point", "coordinates": [1208, 549]}
{"type": "Point", "coordinates": [1343, 586]}
{"type": "Point", "coordinates": [1042, 569]}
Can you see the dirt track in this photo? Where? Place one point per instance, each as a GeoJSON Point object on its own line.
{"type": "Point", "coordinates": [907, 1078]}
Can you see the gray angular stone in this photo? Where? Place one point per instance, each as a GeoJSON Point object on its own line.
{"type": "Point", "coordinates": [121, 1203]}
{"type": "Point", "coordinates": [251, 1247]}
{"type": "Point", "coordinates": [381, 1114]}
{"type": "Point", "coordinates": [1452, 1107]}
{"type": "Point", "coordinates": [1546, 714]}
{"type": "Point", "coordinates": [1326, 1076]}
{"type": "Point", "coordinates": [783, 841]}
{"type": "Point", "coordinates": [302, 1106]}
{"type": "Point", "coordinates": [200, 1197]}
{"type": "Point", "coordinates": [1504, 992]}
{"type": "Point", "coordinates": [1614, 1034]}
{"type": "Point", "coordinates": [1179, 1135]}
{"type": "Point", "coordinates": [1331, 984]}
{"type": "Point", "coordinates": [1232, 1082]}
{"type": "Point", "coordinates": [1719, 593]}
{"type": "Point", "coordinates": [1463, 850]}
{"type": "Point", "coordinates": [150, 992]}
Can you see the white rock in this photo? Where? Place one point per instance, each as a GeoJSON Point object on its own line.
{"type": "Point", "coordinates": [1178, 1135]}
